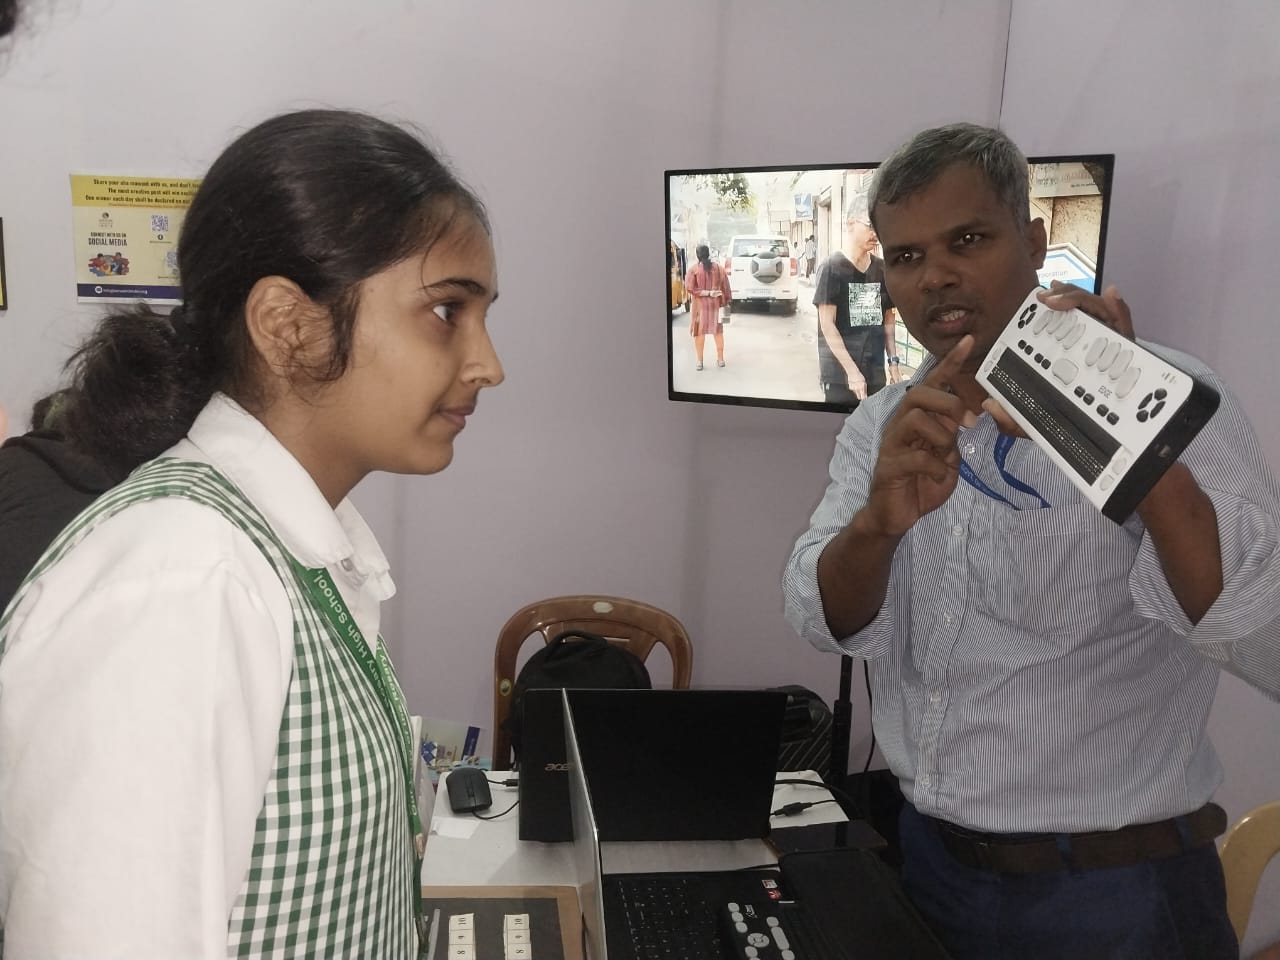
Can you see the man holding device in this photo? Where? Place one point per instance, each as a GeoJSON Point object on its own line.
{"type": "Point", "coordinates": [1042, 676]}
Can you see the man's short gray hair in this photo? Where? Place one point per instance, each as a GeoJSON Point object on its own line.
{"type": "Point", "coordinates": [922, 159]}
{"type": "Point", "coordinates": [856, 207]}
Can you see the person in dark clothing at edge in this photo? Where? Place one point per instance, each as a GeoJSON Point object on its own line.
{"type": "Point", "coordinates": [8, 16]}
{"type": "Point", "coordinates": [44, 483]}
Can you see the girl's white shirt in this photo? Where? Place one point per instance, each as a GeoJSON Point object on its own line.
{"type": "Point", "coordinates": [141, 694]}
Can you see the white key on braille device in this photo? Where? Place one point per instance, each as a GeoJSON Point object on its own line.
{"type": "Point", "coordinates": [1109, 412]}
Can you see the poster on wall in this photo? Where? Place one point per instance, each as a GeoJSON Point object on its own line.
{"type": "Point", "coordinates": [4, 290]}
{"type": "Point", "coordinates": [126, 233]}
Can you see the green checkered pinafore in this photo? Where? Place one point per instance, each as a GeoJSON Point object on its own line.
{"type": "Point", "coordinates": [332, 869]}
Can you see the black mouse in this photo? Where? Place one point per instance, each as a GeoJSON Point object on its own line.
{"type": "Point", "coordinates": [468, 790]}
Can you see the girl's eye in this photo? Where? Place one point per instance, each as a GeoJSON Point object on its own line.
{"type": "Point", "coordinates": [969, 239]}
{"type": "Point", "coordinates": [906, 256]}
{"type": "Point", "coordinates": [448, 312]}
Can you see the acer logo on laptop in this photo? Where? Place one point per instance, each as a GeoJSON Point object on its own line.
{"type": "Point", "coordinates": [556, 768]}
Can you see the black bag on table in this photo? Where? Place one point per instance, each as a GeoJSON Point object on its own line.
{"type": "Point", "coordinates": [573, 660]}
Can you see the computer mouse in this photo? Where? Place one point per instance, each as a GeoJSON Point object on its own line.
{"type": "Point", "coordinates": [468, 790]}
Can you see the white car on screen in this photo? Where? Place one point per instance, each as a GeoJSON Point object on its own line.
{"type": "Point", "coordinates": [762, 271]}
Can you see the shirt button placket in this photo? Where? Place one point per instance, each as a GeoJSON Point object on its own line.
{"type": "Point", "coordinates": [934, 705]}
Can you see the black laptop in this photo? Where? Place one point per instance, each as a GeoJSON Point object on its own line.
{"type": "Point", "coordinates": [836, 905]}
{"type": "Point", "coordinates": [663, 764]}
{"type": "Point", "coordinates": [638, 916]}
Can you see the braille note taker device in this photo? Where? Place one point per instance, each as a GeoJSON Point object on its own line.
{"type": "Point", "coordinates": [1110, 413]}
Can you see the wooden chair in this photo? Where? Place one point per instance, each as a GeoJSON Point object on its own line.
{"type": "Point", "coordinates": [1249, 845]}
{"type": "Point", "coordinates": [636, 626]}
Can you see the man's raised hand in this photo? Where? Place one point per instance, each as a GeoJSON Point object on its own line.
{"type": "Point", "coordinates": [919, 461]}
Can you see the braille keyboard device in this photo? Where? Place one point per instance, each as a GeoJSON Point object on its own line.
{"type": "Point", "coordinates": [757, 932]}
{"type": "Point", "coordinates": [1109, 412]}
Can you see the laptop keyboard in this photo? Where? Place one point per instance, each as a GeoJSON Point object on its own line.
{"type": "Point", "coordinates": [665, 918]}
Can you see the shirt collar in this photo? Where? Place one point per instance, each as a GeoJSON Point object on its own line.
{"type": "Point", "coordinates": [922, 371]}
{"type": "Point", "coordinates": [230, 438]}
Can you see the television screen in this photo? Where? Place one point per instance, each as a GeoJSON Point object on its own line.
{"type": "Point", "coordinates": [772, 229]}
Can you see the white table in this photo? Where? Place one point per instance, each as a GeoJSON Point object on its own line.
{"type": "Point", "coordinates": [463, 850]}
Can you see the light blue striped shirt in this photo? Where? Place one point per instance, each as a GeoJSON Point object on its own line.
{"type": "Point", "coordinates": [1031, 668]}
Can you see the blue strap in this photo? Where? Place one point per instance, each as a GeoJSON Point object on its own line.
{"type": "Point", "coordinates": [1001, 454]}
{"type": "Point", "coordinates": [966, 472]}
{"type": "Point", "coordinates": [1003, 446]}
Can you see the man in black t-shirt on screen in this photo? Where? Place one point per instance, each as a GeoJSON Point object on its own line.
{"type": "Point", "coordinates": [855, 315]}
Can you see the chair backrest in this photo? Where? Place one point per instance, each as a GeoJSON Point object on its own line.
{"type": "Point", "coordinates": [636, 626]}
{"type": "Point", "coordinates": [1249, 844]}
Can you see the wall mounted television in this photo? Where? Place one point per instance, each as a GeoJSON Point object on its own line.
{"type": "Point", "coordinates": [757, 222]}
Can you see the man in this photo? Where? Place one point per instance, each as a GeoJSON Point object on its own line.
{"type": "Point", "coordinates": [1042, 676]}
{"type": "Point", "coordinates": [855, 315]}
{"type": "Point", "coordinates": [810, 255]}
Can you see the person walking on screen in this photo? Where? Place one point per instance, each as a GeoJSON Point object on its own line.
{"type": "Point", "coordinates": [810, 255]}
{"type": "Point", "coordinates": [1041, 676]}
{"type": "Point", "coordinates": [206, 751]}
{"type": "Point", "coordinates": [855, 315]}
{"type": "Point", "coordinates": [708, 285]}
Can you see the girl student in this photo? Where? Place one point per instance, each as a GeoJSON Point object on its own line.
{"type": "Point", "coordinates": [203, 747]}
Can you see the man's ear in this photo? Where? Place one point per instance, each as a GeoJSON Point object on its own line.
{"type": "Point", "coordinates": [281, 320]}
{"type": "Point", "coordinates": [1037, 241]}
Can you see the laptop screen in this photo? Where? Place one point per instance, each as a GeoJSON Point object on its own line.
{"type": "Point", "coordinates": [680, 764]}
{"type": "Point", "coordinates": [586, 843]}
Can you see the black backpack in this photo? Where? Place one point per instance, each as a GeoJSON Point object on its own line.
{"type": "Point", "coordinates": [574, 659]}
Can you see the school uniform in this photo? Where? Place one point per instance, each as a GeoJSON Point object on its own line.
{"type": "Point", "coordinates": [193, 762]}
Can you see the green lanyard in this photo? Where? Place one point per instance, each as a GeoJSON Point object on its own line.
{"type": "Point", "coordinates": [377, 669]}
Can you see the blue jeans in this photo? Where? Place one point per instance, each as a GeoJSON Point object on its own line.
{"type": "Point", "coordinates": [1159, 909]}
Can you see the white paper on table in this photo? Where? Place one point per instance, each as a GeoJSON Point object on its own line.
{"type": "Point", "coordinates": [451, 827]}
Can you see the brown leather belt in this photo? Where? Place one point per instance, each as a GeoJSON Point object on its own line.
{"type": "Point", "coordinates": [1043, 853]}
